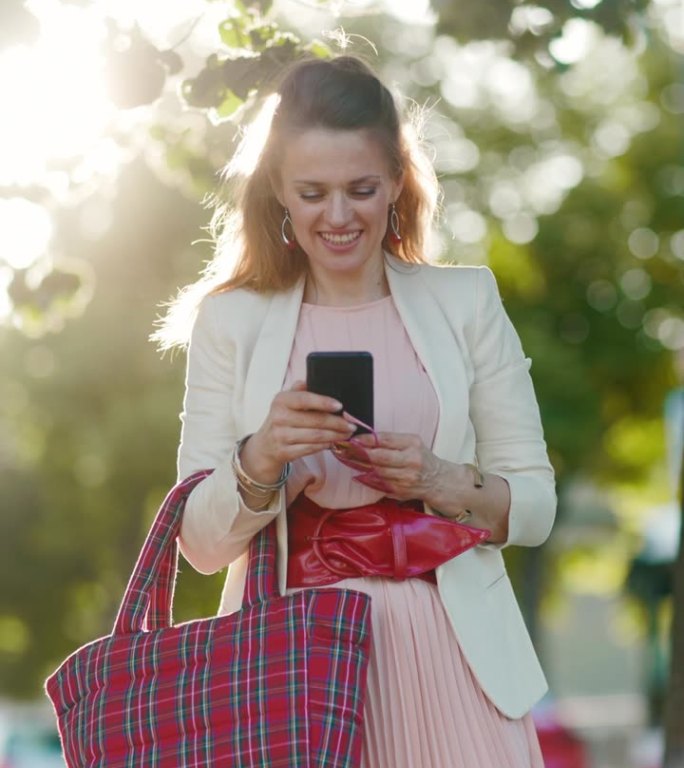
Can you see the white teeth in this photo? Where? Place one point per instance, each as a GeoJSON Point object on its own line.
{"type": "Point", "coordinates": [339, 239]}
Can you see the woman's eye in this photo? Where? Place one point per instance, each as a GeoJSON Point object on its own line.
{"type": "Point", "coordinates": [313, 195]}
{"type": "Point", "coordinates": [310, 195]}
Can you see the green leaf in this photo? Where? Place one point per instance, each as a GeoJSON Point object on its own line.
{"type": "Point", "coordinates": [158, 132]}
{"type": "Point", "coordinates": [135, 75]}
{"type": "Point", "coordinates": [233, 34]}
{"type": "Point", "coordinates": [208, 88]}
{"type": "Point", "coordinates": [319, 49]}
{"type": "Point", "coordinates": [227, 109]}
{"type": "Point", "coordinates": [172, 61]}
{"type": "Point", "coordinates": [263, 6]}
{"type": "Point", "coordinates": [284, 40]}
{"type": "Point", "coordinates": [263, 35]}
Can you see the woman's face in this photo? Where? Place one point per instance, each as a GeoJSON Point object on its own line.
{"type": "Point", "coordinates": [338, 188]}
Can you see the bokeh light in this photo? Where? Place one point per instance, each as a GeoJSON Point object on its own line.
{"type": "Point", "coordinates": [54, 96]}
{"type": "Point", "coordinates": [25, 231]}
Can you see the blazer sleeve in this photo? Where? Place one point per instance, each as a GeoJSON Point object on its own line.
{"type": "Point", "coordinates": [505, 415]}
{"type": "Point", "coordinates": [217, 526]}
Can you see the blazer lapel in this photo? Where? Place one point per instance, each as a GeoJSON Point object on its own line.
{"type": "Point", "coordinates": [435, 343]}
{"type": "Point", "coordinates": [271, 355]}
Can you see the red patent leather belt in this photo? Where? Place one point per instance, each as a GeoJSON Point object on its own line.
{"type": "Point", "coordinates": [389, 538]}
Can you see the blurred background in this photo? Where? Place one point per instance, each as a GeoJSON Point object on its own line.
{"type": "Point", "coordinates": [556, 128]}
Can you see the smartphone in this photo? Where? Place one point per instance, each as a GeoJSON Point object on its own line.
{"type": "Point", "coordinates": [346, 376]}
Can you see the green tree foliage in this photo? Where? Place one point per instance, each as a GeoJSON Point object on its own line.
{"type": "Point", "coordinates": [532, 26]}
{"type": "Point", "coordinates": [90, 430]}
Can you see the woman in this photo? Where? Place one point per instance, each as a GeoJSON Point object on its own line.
{"type": "Point", "coordinates": [329, 227]}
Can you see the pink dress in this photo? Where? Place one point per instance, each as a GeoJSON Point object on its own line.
{"type": "Point", "coordinates": [424, 708]}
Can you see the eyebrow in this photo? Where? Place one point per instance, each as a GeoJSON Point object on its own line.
{"type": "Point", "coordinates": [360, 180]}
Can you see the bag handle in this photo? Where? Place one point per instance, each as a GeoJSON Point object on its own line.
{"type": "Point", "coordinates": [148, 601]}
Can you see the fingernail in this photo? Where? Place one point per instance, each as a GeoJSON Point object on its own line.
{"type": "Point", "coordinates": [338, 405]}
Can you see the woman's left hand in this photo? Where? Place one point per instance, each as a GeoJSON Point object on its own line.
{"type": "Point", "coordinates": [402, 466]}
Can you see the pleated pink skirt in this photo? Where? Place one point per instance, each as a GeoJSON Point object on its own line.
{"type": "Point", "coordinates": [424, 708]}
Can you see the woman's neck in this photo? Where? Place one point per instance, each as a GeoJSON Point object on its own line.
{"type": "Point", "coordinates": [336, 291]}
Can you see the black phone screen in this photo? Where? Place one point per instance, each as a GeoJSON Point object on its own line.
{"type": "Point", "coordinates": [346, 376]}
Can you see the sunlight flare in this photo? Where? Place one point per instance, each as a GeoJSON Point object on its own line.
{"type": "Point", "coordinates": [25, 232]}
{"type": "Point", "coordinates": [55, 103]}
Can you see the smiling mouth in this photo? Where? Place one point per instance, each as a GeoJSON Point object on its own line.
{"type": "Point", "coordinates": [342, 239]}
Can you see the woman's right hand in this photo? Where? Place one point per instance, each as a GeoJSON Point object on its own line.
{"type": "Point", "coordinates": [298, 424]}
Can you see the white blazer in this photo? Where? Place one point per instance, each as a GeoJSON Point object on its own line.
{"type": "Point", "coordinates": [237, 359]}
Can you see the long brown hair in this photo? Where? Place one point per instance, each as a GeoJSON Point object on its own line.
{"type": "Point", "coordinates": [341, 93]}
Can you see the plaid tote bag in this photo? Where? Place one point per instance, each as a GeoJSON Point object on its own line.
{"type": "Point", "coordinates": [278, 684]}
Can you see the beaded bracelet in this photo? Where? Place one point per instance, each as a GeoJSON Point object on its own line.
{"type": "Point", "coordinates": [249, 484]}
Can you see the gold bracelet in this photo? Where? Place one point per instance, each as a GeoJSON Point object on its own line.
{"type": "Point", "coordinates": [478, 477]}
{"type": "Point", "coordinates": [249, 484]}
{"type": "Point", "coordinates": [478, 482]}
{"type": "Point", "coordinates": [251, 492]}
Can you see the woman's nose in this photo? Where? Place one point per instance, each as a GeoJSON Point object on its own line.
{"type": "Point", "coordinates": [338, 211]}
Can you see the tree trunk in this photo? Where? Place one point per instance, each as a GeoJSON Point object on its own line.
{"type": "Point", "coordinates": [674, 706]}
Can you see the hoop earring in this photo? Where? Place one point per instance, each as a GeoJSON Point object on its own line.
{"type": "Point", "coordinates": [394, 235]}
{"type": "Point", "coordinates": [290, 242]}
